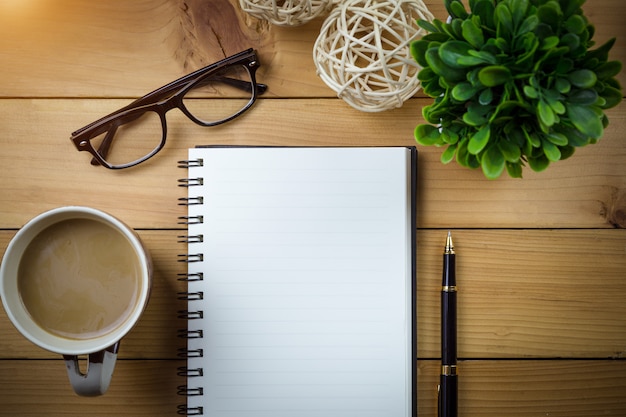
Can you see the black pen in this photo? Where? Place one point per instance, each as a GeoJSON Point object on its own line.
{"type": "Point", "coordinates": [448, 384]}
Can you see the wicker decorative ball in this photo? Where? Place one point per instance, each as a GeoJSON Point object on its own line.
{"type": "Point", "coordinates": [363, 54]}
{"type": "Point", "coordinates": [286, 12]}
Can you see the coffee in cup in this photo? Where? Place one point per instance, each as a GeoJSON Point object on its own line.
{"type": "Point", "coordinates": [74, 281]}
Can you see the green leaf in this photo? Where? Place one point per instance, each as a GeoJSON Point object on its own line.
{"type": "Point", "coordinates": [608, 70]}
{"type": "Point", "coordinates": [528, 25]}
{"type": "Point", "coordinates": [479, 140]}
{"type": "Point", "coordinates": [418, 51]}
{"type": "Point", "coordinates": [562, 85]}
{"type": "Point", "coordinates": [427, 74]}
{"type": "Point", "coordinates": [485, 10]}
{"type": "Point", "coordinates": [585, 119]}
{"type": "Point", "coordinates": [449, 136]}
{"type": "Point", "coordinates": [558, 139]}
{"type": "Point", "coordinates": [571, 40]}
{"type": "Point", "coordinates": [470, 61]}
{"type": "Point", "coordinates": [473, 34]}
{"type": "Point", "coordinates": [549, 13]}
{"type": "Point", "coordinates": [475, 114]}
{"type": "Point", "coordinates": [557, 106]}
{"type": "Point", "coordinates": [551, 151]}
{"type": "Point", "coordinates": [583, 78]}
{"type": "Point", "coordinates": [456, 9]}
{"type": "Point", "coordinates": [550, 42]}
{"type": "Point", "coordinates": [451, 51]}
{"type": "Point", "coordinates": [426, 25]}
{"type": "Point", "coordinates": [464, 91]}
{"type": "Point", "coordinates": [584, 97]}
{"type": "Point", "coordinates": [567, 151]}
{"type": "Point", "coordinates": [462, 155]}
{"type": "Point", "coordinates": [427, 135]}
{"type": "Point", "coordinates": [601, 53]}
{"type": "Point", "coordinates": [440, 68]}
{"type": "Point", "coordinates": [572, 6]}
{"type": "Point", "coordinates": [494, 75]}
{"type": "Point", "coordinates": [510, 151]}
{"type": "Point", "coordinates": [514, 169]}
{"type": "Point", "coordinates": [531, 92]}
{"type": "Point", "coordinates": [492, 162]}
{"type": "Point", "coordinates": [436, 37]}
{"type": "Point", "coordinates": [448, 155]}
{"type": "Point", "coordinates": [504, 19]}
{"type": "Point", "coordinates": [485, 55]}
{"type": "Point", "coordinates": [612, 96]}
{"type": "Point", "coordinates": [574, 137]}
{"type": "Point", "coordinates": [545, 113]}
{"type": "Point", "coordinates": [575, 24]}
{"type": "Point", "coordinates": [538, 163]}
{"type": "Point", "coordinates": [518, 10]}
{"type": "Point", "coordinates": [486, 96]}
{"type": "Point", "coordinates": [564, 66]}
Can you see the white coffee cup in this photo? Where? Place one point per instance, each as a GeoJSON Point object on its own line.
{"type": "Point", "coordinates": [65, 232]}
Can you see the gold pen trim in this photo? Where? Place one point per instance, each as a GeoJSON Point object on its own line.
{"type": "Point", "coordinates": [449, 248]}
{"type": "Point", "coordinates": [448, 288]}
{"type": "Point", "coordinates": [448, 370]}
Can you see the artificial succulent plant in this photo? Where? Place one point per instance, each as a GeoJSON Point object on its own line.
{"type": "Point", "coordinates": [514, 83]}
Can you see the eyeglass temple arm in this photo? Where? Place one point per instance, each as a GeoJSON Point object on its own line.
{"type": "Point", "coordinates": [104, 147]}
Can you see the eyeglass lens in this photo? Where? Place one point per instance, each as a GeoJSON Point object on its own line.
{"type": "Point", "coordinates": [138, 135]}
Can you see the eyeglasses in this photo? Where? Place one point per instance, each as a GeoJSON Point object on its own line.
{"type": "Point", "coordinates": [135, 133]}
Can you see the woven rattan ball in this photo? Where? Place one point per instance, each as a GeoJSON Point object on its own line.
{"type": "Point", "coordinates": [363, 54]}
{"type": "Point", "coordinates": [286, 12]}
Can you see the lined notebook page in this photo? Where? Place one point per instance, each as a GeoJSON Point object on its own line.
{"type": "Point", "coordinates": [307, 282]}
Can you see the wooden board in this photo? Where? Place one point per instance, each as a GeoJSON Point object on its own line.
{"type": "Point", "coordinates": [541, 261]}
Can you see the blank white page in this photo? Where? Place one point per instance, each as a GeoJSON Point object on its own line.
{"type": "Point", "coordinates": [307, 282]}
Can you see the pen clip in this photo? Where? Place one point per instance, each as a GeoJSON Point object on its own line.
{"type": "Point", "coordinates": [439, 400]}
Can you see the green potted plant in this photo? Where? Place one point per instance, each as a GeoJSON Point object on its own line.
{"type": "Point", "coordinates": [514, 83]}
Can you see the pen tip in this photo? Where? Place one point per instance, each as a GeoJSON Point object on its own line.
{"type": "Point", "coordinates": [449, 244]}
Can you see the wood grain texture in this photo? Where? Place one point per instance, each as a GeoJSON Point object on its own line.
{"type": "Point", "coordinates": [559, 388]}
{"type": "Point", "coordinates": [588, 190]}
{"type": "Point", "coordinates": [522, 294]}
{"type": "Point", "coordinates": [488, 388]}
{"type": "Point", "coordinates": [541, 261]}
{"type": "Point", "coordinates": [125, 49]}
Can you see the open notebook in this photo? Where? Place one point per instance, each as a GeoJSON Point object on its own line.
{"type": "Point", "coordinates": [301, 282]}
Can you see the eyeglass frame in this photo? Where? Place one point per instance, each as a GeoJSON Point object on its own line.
{"type": "Point", "coordinates": [174, 93]}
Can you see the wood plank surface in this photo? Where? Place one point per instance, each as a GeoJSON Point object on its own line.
{"type": "Point", "coordinates": [125, 49]}
{"type": "Point", "coordinates": [561, 388]}
{"type": "Point", "coordinates": [541, 262]}
{"type": "Point", "coordinates": [522, 294]}
{"type": "Point", "coordinates": [587, 190]}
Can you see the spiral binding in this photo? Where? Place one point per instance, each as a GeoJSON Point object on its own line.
{"type": "Point", "coordinates": [190, 182]}
{"type": "Point", "coordinates": [190, 315]}
{"type": "Point", "coordinates": [190, 219]}
{"type": "Point", "coordinates": [190, 257]}
{"type": "Point", "coordinates": [190, 296]}
{"type": "Point", "coordinates": [191, 239]}
{"type": "Point", "coordinates": [191, 163]}
{"type": "Point", "coordinates": [190, 372]}
{"type": "Point", "coordinates": [186, 353]}
{"type": "Point", "coordinates": [191, 276]}
{"type": "Point", "coordinates": [191, 201]}
{"type": "Point", "coordinates": [183, 410]}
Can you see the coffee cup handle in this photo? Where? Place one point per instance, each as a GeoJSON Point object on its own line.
{"type": "Point", "coordinates": [97, 377]}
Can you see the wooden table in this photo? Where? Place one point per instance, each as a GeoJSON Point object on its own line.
{"type": "Point", "coordinates": [541, 261]}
